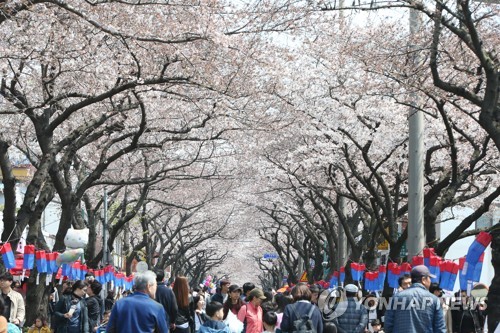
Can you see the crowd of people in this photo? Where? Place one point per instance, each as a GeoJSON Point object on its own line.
{"type": "Point", "coordinates": [157, 306]}
{"type": "Point", "coordinates": [417, 306]}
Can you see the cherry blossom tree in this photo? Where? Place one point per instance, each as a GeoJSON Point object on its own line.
{"type": "Point", "coordinates": [94, 88]}
{"type": "Point", "coordinates": [380, 94]}
{"type": "Point", "coordinates": [291, 111]}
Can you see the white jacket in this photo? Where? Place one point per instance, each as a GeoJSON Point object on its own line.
{"type": "Point", "coordinates": [17, 310]}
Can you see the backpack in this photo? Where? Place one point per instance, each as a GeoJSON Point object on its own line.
{"type": "Point", "coordinates": [303, 324]}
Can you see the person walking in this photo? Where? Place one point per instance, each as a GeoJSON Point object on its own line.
{"type": "Point", "coordinates": [234, 302]}
{"type": "Point", "coordinates": [165, 296]}
{"type": "Point", "coordinates": [300, 308]}
{"type": "Point", "coordinates": [315, 292]}
{"type": "Point", "coordinates": [184, 322]}
{"type": "Point", "coordinates": [214, 323]}
{"type": "Point", "coordinates": [415, 310]}
{"type": "Point", "coordinates": [250, 314]}
{"type": "Point", "coordinates": [466, 315]}
{"type": "Point", "coordinates": [14, 302]}
{"type": "Point", "coordinates": [269, 321]}
{"type": "Point", "coordinates": [281, 301]}
{"type": "Point", "coordinates": [355, 317]}
{"type": "Point", "coordinates": [139, 312]}
{"type": "Point", "coordinates": [109, 301]}
{"type": "Point", "coordinates": [71, 311]}
{"type": "Point", "coordinates": [200, 316]}
{"type": "Point", "coordinates": [223, 294]}
{"type": "Point", "coordinates": [247, 288]}
{"type": "Point", "coordinates": [438, 291]}
{"type": "Point", "coordinates": [404, 282]}
{"type": "Point", "coordinates": [95, 305]}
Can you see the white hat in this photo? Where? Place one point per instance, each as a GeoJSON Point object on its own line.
{"type": "Point", "coordinates": [351, 288]}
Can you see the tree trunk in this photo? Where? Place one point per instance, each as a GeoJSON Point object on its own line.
{"type": "Point", "coordinates": [93, 219]}
{"type": "Point", "coordinates": [430, 224]}
{"type": "Point", "coordinates": [67, 209]}
{"type": "Point", "coordinates": [9, 190]}
{"type": "Point", "coordinates": [90, 251]}
{"type": "Point", "coordinates": [370, 258]}
{"type": "Point", "coordinates": [493, 309]}
{"type": "Point", "coordinates": [37, 297]}
{"type": "Point", "coordinates": [128, 263]}
{"type": "Point", "coordinates": [318, 270]}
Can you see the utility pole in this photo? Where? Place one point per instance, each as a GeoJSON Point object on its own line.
{"type": "Point", "coordinates": [416, 237]}
{"type": "Point", "coordinates": [105, 254]}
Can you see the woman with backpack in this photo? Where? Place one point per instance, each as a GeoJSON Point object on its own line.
{"type": "Point", "coordinates": [301, 315]}
{"type": "Point", "coordinates": [184, 323]}
{"type": "Point", "coordinates": [250, 314]}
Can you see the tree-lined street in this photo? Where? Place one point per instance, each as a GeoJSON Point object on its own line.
{"type": "Point", "coordinates": [200, 135]}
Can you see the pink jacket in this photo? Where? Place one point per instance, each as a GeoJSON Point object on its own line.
{"type": "Point", "coordinates": [253, 317]}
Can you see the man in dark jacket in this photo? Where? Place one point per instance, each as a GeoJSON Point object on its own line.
{"type": "Point", "coordinates": [222, 295]}
{"type": "Point", "coordinates": [95, 305]}
{"type": "Point", "coordinates": [355, 317]}
{"type": "Point", "coordinates": [466, 315]}
{"type": "Point", "coordinates": [165, 296]}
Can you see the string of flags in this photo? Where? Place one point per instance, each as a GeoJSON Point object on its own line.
{"type": "Point", "coordinates": [47, 263]}
{"type": "Point", "coordinates": [68, 264]}
{"type": "Point", "coordinates": [468, 269]}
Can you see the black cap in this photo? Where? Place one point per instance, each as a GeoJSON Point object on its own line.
{"type": "Point", "coordinates": [234, 287]}
{"type": "Point", "coordinates": [420, 271]}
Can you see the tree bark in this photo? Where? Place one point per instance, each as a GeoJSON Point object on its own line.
{"type": "Point", "coordinates": [37, 296]}
{"type": "Point", "coordinates": [91, 215]}
{"type": "Point", "coordinates": [67, 209]}
{"type": "Point", "coordinates": [9, 190]}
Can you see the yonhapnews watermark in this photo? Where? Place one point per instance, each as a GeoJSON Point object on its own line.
{"type": "Point", "coordinates": [333, 303]}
